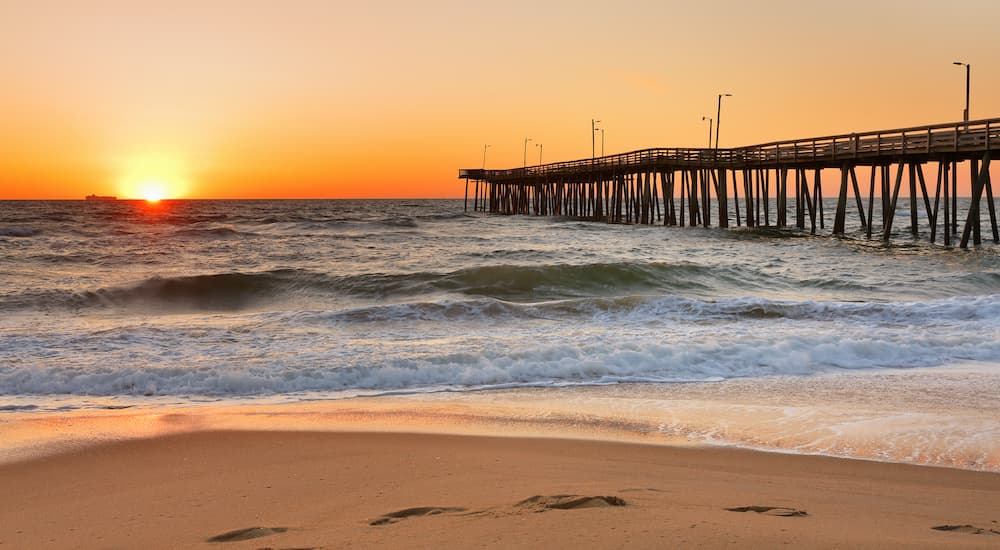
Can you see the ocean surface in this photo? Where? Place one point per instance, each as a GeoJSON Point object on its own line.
{"type": "Point", "coordinates": [760, 338]}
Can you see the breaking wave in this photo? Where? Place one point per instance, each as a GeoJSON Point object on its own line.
{"type": "Point", "coordinates": [223, 363]}
{"type": "Point", "coordinates": [607, 287]}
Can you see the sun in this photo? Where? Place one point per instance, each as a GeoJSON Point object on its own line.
{"type": "Point", "coordinates": [153, 177]}
{"type": "Point", "coordinates": [153, 191]}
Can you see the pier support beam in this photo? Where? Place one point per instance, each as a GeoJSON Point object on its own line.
{"type": "Point", "coordinates": [937, 199]}
{"type": "Point", "coordinates": [889, 208]}
{"type": "Point", "coordinates": [782, 198]}
{"type": "Point", "coordinates": [720, 191]}
{"type": "Point", "coordinates": [944, 167]}
{"type": "Point", "coordinates": [977, 194]}
{"type": "Point", "coordinates": [913, 200]}
{"type": "Point", "coordinates": [857, 197]}
{"type": "Point", "coordinates": [841, 214]}
{"type": "Point", "coordinates": [992, 208]}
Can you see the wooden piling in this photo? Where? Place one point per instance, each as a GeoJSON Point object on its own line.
{"type": "Point", "coordinates": [857, 197]}
{"type": "Point", "coordinates": [871, 201]}
{"type": "Point", "coordinates": [977, 193]}
{"type": "Point", "coordinates": [913, 200]}
{"type": "Point", "coordinates": [891, 210]}
{"type": "Point", "coordinates": [944, 168]}
{"type": "Point", "coordinates": [841, 213]}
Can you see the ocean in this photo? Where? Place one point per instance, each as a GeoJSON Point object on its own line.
{"type": "Point", "coordinates": [765, 339]}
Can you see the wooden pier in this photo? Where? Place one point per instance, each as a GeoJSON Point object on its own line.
{"type": "Point", "coordinates": [678, 187]}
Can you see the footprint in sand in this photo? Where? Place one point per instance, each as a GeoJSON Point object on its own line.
{"type": "Point", "coordinates": [247, 534]}
{"type": "Point", "coordinates": [771, 511]}
{"type": "Point", "coordinates": [393, 517]}
{"type": "Point", "coordinates": [541, 503]}
{"type": "Point", "coordinates": [537, 503]}
{"type": "Point", "coordinates": [968, 529]}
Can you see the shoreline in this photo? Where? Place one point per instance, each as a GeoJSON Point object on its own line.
{"type": "Point", "coordinates": [891, 419]}
{"type": "Point", "coordinates": [310, 489]}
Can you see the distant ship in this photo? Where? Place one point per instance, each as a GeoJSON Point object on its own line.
{"type": "Point", "coordinates": [101, 198]}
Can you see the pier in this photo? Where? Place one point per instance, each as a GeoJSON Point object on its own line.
{"type": "Point", "coordinates": [691, 187]}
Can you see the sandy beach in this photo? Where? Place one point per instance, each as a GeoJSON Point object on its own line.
{"type": "Point", "coordinates": [252, 489]}
{"type": "Point", "coordinates": [454, 275]}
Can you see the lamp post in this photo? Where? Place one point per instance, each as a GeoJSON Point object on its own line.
{"type": "Point", "coordinates": [593, 129]}
{"type": "Point", "coordinates": [968, 77]}
{"type": "Point", "coordinates": [709, 119]}
{"type": "Point", "coordinates": [540, 146]}
{"type": "Point", "coordinates": [601, 130]}
{"type": "Point", "coordinates": [718, 118]}
{"type": "Point", "coordinates": [526, 140]}
{"type": "Point", "coordinates": [485, 147]}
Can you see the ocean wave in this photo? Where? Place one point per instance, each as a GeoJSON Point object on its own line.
{"type": "Point", "coordinates": [222, 365]}
{"type": "Point", "coordinates": [181, 219]}
{"type": "Point", "coordinates": [235, 290]}
{"type": "Point", "coordinates": [409, 221]}
{"type": "Point", "coordinates": [222, 291]}
{"type": "Point", "coordinates": [445, 216]}
{"type": "Point", "coordinates": [17, 408]}
{"type": "Point", "coordinates": [573, 280]}
{"type": "Point", "coordinates": [222, 232]}
{"type": "Point", "coordinates": [402, 221]}
{"type": "Point", "coordinates": [17, 231]}
{"type": "Point", "coordinates": [662, 288]}
{"type": "Point", "coordinates": [611, 311]}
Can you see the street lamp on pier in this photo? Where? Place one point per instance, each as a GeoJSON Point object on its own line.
{"type": "Point", "coordinates": [718, 118]}
{"type": "Point", "coordinates": [526, 140]}
{"type": "Point", "coordinates": [485, 147]}
{"type": "Point", "coordinates": [968, 78]}
{"type": "Point", "coordinates": [709, 119]}
{"type": "Point", "coordinates": [540, 146]}
{"type": "Point", "coordinates": [593, 130]}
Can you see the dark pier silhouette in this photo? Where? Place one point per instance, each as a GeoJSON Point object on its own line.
{"type": "Point", "coordinates": [676, 186]}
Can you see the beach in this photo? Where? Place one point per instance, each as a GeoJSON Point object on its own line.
{"type": "Point", "coordinates": [331, 374]}
{"type": "Point", "coordinates": [252, 489]}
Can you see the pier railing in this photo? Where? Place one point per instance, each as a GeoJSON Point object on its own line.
{"type": "Point", "coordinates": [974, 136]}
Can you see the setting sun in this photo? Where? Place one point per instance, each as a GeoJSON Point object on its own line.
{"type": "Point", "coordinates": [153, 177]}
{"type": "Point", "coordinates": [153, 191]}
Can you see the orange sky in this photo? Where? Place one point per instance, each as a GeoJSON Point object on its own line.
{"type": "Point", "coordinates": [304, 98]}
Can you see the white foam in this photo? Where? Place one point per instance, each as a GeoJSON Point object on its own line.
{"type": "Point", "coordinates": [261, 354]}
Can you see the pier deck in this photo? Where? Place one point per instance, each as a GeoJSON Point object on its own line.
{"type": "Point", "coordinates": [627, 187]}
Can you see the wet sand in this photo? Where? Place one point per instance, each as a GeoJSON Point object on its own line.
{"type": "Point", "coordinates": [254, 489]}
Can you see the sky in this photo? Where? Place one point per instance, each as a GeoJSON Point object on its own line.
{"type": "Point", "coordinates": [389, 98]}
